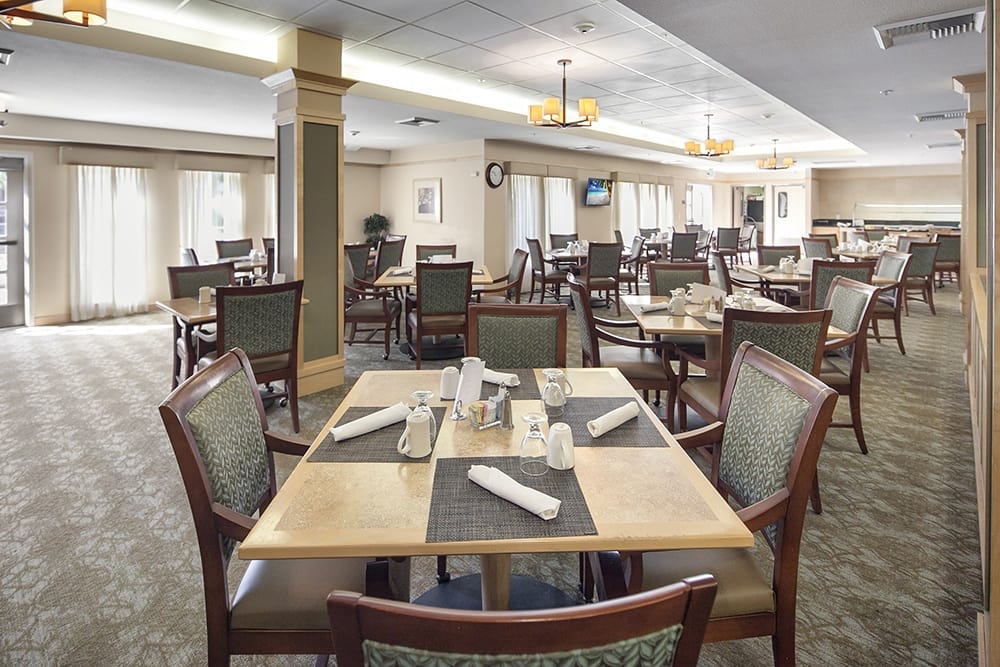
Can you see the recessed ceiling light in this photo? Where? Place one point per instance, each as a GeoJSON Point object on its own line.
{"type": "Point", "coordinates": [5, 55]}
{"type": "Point", "coordinates": [951, 114]}
{"type": "Point", "coordinates": [885, 92]}
{"type": "Point", "coordinates": [585, 148]}
{"type": "Point", "coordinates": [585, 27]}
{"type": "Point", "coordinates": [417, 121]}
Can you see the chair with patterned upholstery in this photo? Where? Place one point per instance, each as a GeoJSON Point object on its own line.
{"type": "Point", "coordinates": [530, 335]}
{"type": "Point", "coordinates": [683, 246]}
{"type": "Point", "coordinates": [948, 262]}
{"type": "Point", "coordinates": [184, 282]}
{"type": "Point", "coordinates": [425, 252]}
{"type": "Point", "coordinates": [703, 245]}
{"type": "Point", "coordinates": [225, 452]}
{"type": "Point", "coordinates": [728, 281]}
{"type": "Point", "coordinates": [263, 321]}
{"type": "Point", "coordinates": [189, 257]}
{"type": "Point", "coordinates": [825, 270]}
{"type": "Point", "coordinates": [667, 276]}
{"type": "Point", "coordinates": [387, 255]}
{"type": "Point", "coordinates": [795, 336]}
{"type": "Point", "coordinates": [544, 272]}
{"type": "Point", "coordinates": [663, 627]}
{"type": "Point", "coordinates": [727, 243]}
{"type": "Point", "coordinates": [227, 248]}
{"type": "Point", "coordinates": [903, 241]}
{"type": "Point", "coordinates": [876, 234]}
{"type": "Point", "coordinates": [559, 241]}
{"type": "Point", "coordinates": [271, 253]}
{"type": "Point", "coordinates": [506, 288]}
{"type": "Point", "coordinates": [772, 421]}
{"type": "Point", "coordinates": [691, 228]}
{"type": "Point", "coordinates": [369, 306]}
{"type": "Point", "coordinates": [600, 274]}
{"type": "Point", "coordinates": [443, 293]}
{"type": "Point", "coordinates": [818, 247]}
{"type": "Point", "coordinates": [889, 306]}
{"type": "Point", "coordinates": [357, 254]}
{"type": "Point", "coordinates": [919, 285]}
{"type": "Point", "coordinates": [631, 264]}
{"type": "Point", "coordinates": [745, 245]}
{"type": "Point", "coordinates": [771, 255]}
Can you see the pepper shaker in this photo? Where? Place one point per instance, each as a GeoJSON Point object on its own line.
{"type": "Point", "coordinates": [506, 411]}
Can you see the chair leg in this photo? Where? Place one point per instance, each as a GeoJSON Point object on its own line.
{"type": "Point", "coordinates": [898, 324]}
{"type": "Point", "coordinates": [291, 386]}
{"type": "Point", "coordinates": [855, 400]}
{"type": "Point", "coordinates": [388, 333]}
{"type": "Point", "coordinates": [586, 578]}
{"type": "Point", "coordinates": [682, 416]}
{"type": "Point", "coordinates": [929, 293]}
{"type": "Point", "coordinates": [814, 499]}
{"type": "Point", "coordinates": [443, 575]}
{"type": "Point", "coordinates": [531, 295]}
{"type": "Point", "coordinates": [875, 332]}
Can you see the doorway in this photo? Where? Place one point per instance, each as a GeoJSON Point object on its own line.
{"type": "Point", "coordinates": [11, 242]}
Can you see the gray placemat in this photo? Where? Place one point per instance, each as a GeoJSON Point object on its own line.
{"type": "Point", "coordinates": [707, 323]}
{"type": "Point", "coordinates": [463, 511]}
{"type": "Point", "coordinates": [526, 391]}
{"type": "Point", "coordinates": [638, 432]}
{"type": "Point", "coordinates": [375, 447]}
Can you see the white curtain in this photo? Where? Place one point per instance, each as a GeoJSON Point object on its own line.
{"type": "Point", "coordinates": [211, 207]}
{"type": "Point", "coordinates": [626, 210]}
{"type": "Point", "coordinates": [700, 204]}
{"type": "Point", "coordinates": [525, 211]}
{"type": "Point", "coordinates": [108, 230]}
{"type": "Point", "coordinates": [560, 206]}
{"type": "Point", "coordinates": [665, 203]}
{"type": "Point", "coordinates": [648, 214]}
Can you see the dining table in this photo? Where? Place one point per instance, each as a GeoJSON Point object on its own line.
{"type": "Point", "coordinates": [633, 488]}
{"type": "Point", "coordinates": [406, 276]}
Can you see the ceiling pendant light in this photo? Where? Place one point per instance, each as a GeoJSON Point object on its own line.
{"type": "Point", "coordinates": [711, 148]}
{"type": "Point", "coordinates": [86, 12]}
{"type": "Point", "coordinates": [772, 162]}
{"type": "Point", "coordinates": [19, 20]}
{"type": "Point", "coordinates": [552, 112]}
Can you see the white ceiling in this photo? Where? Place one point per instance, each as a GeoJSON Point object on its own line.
{"type": "Point", "coordinates": [807, 73]}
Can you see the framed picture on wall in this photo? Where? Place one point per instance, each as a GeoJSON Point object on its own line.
{"type": "Point", "coordinates": [427, 200]}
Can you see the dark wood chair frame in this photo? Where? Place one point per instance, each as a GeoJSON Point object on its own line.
{"type": "Point", "coordinates": [559, 241]}
{"type": "Point", "coordinates": [892, 296]}
{"type": "Point", "coordinates": [508, 286]}
{"type": "Point", "coordinates": [225, 247]}
{"type": "Point", "coordinates": [727, 243]}
{"type": "Point", "coordinates": [950, 265]}
{"type": "Point", "coordinates": [557, 310]}
{"type": "Point", "coordinates": [821, 240]}
{"type": "Point", "coordinates": [541, 276]}
{"type": "Point", "coordinates": [676, 266]}
{"type": "Point", "coordinates": [424, 251]}
{"type": "Point", "coordinates": [590, 280]}
{"type": "Point", "coordinates": [827, 265]}
{"type": "Point", "coordinates": [417, 328]}
{"type": "Point", "coordinates": [189, 257]}
{"type": "Point", "coordinates": [919, 287]}
{"type": "Point", "coordinates": [680, 248]}
{"type": "Point", "coordinates": [726, 280]}
{"type": "Point", "coordinates": [632, 263]}
{"type": "Point", "coordinates": [183, 365]}
{"type": "Point", "coordinates": [385, 318]}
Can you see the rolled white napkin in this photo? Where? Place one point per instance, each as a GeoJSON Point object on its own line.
{"type": "Point", "coordinates": [477, 272]}
{"type": "Point", "coordinates": [495, 377]}
{"type": "Point", "coordinates": [402, 271]}
{"type": "Point", "coordinates": [700, 292]}
{"type": "Point", "coordinates": [653, 307]}
{"type": "Point", "coordinates": [713, 316]}
{"type": "Point", "coordinates": [373, 422]}
{"type": "Point", "coordinates": [612, 420]}
{"type": "Point", "coordinates": [777, 308]}
{"type": "Point", "coordinates": [495, 481]}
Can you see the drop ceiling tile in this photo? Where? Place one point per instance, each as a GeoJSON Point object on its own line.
{"type": "Point", "coordinates": [362, 54]}
{"type": "Point", "coordinates": [629, 82]}
{"type": "Point", "coordinates": [204, 14]}
{"type": "Point", "coordinates": [428, 68]}
{"type": "Point", "coordinates": [658, 94]}
{"type": "Point", "coordinates": [703, 86]}
{"type": "Point", "coordinates": [521, 43]}
{"type": "Point", "coordinates": [605, 24]}
{"type": "Point", "coordinates": [405, 10]}
{"type": "Point", "coordinates": [284, 10]}
{"type": "Point", "coordinates": [723, 94]}
{"type": "Point", "coordinates": [584, 66]}
{"type": "Point", "coordinates": [153, 8]}
{"type": "Point", "coordinates": [513, 71]}
{"type": "Point", "coordinates": [625, 12]}
{"type": "Point", "coordinates": [470, 58]}
{"type": "Point", "coordinates": [472, 23]}
{"type": "Point", "coordinates": [624, 45]}
{"type": "Point", "coordinates": [532, 11]}
{"type": "Point", "coordinates": [338, 18]}
{"type": "Point", "coordinates": [416, 41]}
{"type": "Point", "coordinates": [658, 60]}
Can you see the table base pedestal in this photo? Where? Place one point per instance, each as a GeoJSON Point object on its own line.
{"type": "Point", "coordinates": [466, 593]}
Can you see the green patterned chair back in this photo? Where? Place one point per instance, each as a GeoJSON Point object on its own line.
{"type": "Point", "coordinates": [189, 257]}
{"type": "Point", "coordinates": [876, 234]}
{"type": "Point", "coordinates": [584, 322]}
{"type": "Point", "coordinates": [690, 228]}
{"type": "Point", "coordinates": [603, 260]}
{"type": "Point", "coordinates": [389, 253]}
{"type": "Point", "coordinates": [949, 248]}
{"type": "Point", "coordinates": [772, 254]}
{"type": "Point", "coordinates": [665, 277]}
{"type": "Point", "coordinates": [186, 280]}
{"type": "Point", "coordinates": [234, 247]}
{"type": "Point", "coordinates": [644, 232]}
{"type": "Point", "coordinates": [797, 337]}
{"type": "Point", "coordinates": [262, 321]}
{"type": "Point", "coordinates": [683, 245]}
{"type": "Point", "coordinates": [819, 248]}
{"type": "Point", "coordinates": [721, 272]}
{"type": "Point", "coordinates": [727, 238]}
{"type": "Point", "coordinates": [513, 336]}
{"type": "Point", "coordinates": [425, 252]}
{"type": "Point", "coordinates": [559, 241]}
{"type": "Point", "coordinates": [357, 257]}
{"type": "Point", "coordinates": [444, 289]}
{"type": "Point", "coordinates": [922, 262]}
{"type": "Point", "coordinates": [847, 305]}
{"type": "Point", "coordinates": [515, 275]}
{"type": "Point", "coordinates": [823, 272]}
{"type": "Point", "coordinates": [537, 258]}
{"type": "Point", "coordinates": [618, 238]}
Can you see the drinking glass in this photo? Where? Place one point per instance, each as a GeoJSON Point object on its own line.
{"type": "Point", "coordinates": [421, 397]}
{"type": "Point", "coordinates": [534, 447]}
{"type": "Point", "coordinates": [553, 396]}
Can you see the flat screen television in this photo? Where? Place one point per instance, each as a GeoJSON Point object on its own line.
{"type": "Point", "coordinates": [598, 192]}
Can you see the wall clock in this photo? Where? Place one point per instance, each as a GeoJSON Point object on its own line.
{"type": "Point", "coordinates": [494, 175]}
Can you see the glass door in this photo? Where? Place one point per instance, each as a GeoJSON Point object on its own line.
{"type": "Point", "coordinates": [11, 248]}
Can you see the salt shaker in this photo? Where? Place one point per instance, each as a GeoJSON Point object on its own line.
{"type": "Point", "coordinates": [506, 411]}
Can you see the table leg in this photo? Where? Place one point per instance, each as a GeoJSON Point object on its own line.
{"type": "Point", "coordinates": [192, 350]}
{"type": "Point", "coordinates": [495, 581]}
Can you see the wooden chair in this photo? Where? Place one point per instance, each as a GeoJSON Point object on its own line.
{"type": "Point", "coordinates": [771, 255]}
{"type": "Point", "coordinates": [388, 253]}
{"type": "Point", "coordinates": [184, 282]}
{"type": "Point", "coordinates": [544, 272]}
{"type": "Point", "coordinates": [876, 234]}
{"type": "Point", "coordinates": [507, 288]}
{"type": "Point", "coordinates": [646, 232]}
{"type": "Point", "coordinates": [225, 452]}
{"type": "Point", "coordinates": [530, 335]}
{"type": "Point", "coordinates": [357, 255]}
{"type": "Point", "coordinates": [368, 306]}
{"type": "Point", "coordinates": [559, 241]}
{"type": "Point", "coordinates": [825, 270]}
{"type": "Point", "coordinates": [683, 246]}
{"type": "Point", "coordinates": [263, 321]}
{"type": "Point", "coordinates": [631, 265]}
{"type": "Point", "coordinates": [889, 306]}
{"type": "Point", "coordinates": [233, 247]}
{"type": "Point", "coordinates": [667, 276]}
{"type": "Point", "coordinates": [745, 245]}
{"type": "Point", "coordinates": [189, 257]}
{"type": "Point", "coordinates": [443, 293]}
{"type": "Point", "coordinates": [693, 229]}
{"type": "Point", "coordinates": [795, 336]}
{"type": "Point", "coordinates": [818, 247]}
{"type": "Point", "coordinates": [600, 274]}
{"type": "Point", "coordinates": [425, 252]}
{"type": "Point", "coordinates": [948, 261]}
{"type": "Point", "coordinates": [919, 285]}
{"type": "Point", "coordinates": [727, 281]}
{"type": "Point", "coordinates": [645, 364]}
{"type": "Point", "coordinates": [727, 243]}
{"type": "Point", "coordinates": [703, 245]}
{"type": "Point", "coordinates": [661, 627]}
{"type": "Point", "coordinates": [772, 421]}
{"type": "Point", "coordinates": [903, 241]}
{"type": "Point", "coordinates": [270, 251]}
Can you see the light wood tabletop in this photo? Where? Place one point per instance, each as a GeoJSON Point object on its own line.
{"type": "Point", "coordinates": [189, 311]}
{"type": "Point", "coordinates": [640, 498]}
{"type": "Point", "coordinates": [480, 276]}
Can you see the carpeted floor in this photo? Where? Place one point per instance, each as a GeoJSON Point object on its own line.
{"type": "Point", "coordinates": [100, 564]}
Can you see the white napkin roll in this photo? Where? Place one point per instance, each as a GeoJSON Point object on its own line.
{"type": "Point", "coordinates": [373, 422]}
{"type": "Point", "coordinates": [612, 420]}
{"type": "Point", "coordinates": [404, 271]}
{"type": "Point", "coordinates": [495, 377]}
{"type": "Point", "coordinates": [700, 292]}
{"type": "Point", "coordinates": [713, 317]}
{"type": "Point", "coordinates": [495, 481]}
{"type": "Point", "coordinates": [477, 272]}
{"type": "Point", "coordinates": [777, 309]}
{"type": "Point", "coordinates": [653, 307]}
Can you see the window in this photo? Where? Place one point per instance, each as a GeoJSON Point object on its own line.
{"type": "Point", "coordinates": [699, 205]}
{"type": "Point", "coordinates": [525, 211]}
{"type": "Point", "coordinates": [560, 206]}
{"type": "Point", "coordinates": [641, 206]}
{"type": "Point", "coordinates": [211, 208]}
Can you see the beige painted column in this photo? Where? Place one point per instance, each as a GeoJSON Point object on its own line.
{"type": "Point", "coordinates": [310, 177]}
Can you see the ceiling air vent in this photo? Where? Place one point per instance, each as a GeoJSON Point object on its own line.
{"type": "Point", "coordinates": [936, 27]}
{"type": "Point", "coordinates": [945, 144]}
{"type": "Point", "coordinates": [940, 115]}
{"type": "Point", "coordinates": [418, 121]}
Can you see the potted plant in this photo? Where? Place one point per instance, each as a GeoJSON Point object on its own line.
{"type": "Point", "coordinates": [376, 225]}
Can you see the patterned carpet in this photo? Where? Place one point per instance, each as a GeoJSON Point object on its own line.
{"type": "Point", "coordinates": [100, 562]}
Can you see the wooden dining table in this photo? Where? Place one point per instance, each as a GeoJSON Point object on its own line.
{"type": "Point", "coordinates": [390, 278]}
{"type": "Point", "coordinates": [640, 489]}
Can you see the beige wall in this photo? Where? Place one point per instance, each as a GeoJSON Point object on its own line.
{"type": "Point", "coordinates": [362, 197]}
{"type": "Point", "coordinates": [838, 190]}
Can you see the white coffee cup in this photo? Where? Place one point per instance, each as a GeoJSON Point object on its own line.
{"type": "Point", "coordinates": [560, 450]}
{"type": "Point", "coordinates": [449, 383]}
{"type": "Point", "coordinates": [560, 377]}
{"type": "Point", "coordinates": [204, 294]}
{"type": "Point", "coordinates": [416, 439]}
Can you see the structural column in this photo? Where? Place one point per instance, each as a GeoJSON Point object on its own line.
{"type": "Point", "coordinates": [310, 165]}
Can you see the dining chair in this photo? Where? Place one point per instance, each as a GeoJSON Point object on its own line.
{"type": "Point", "coordinates": [618, 237]}
{"type": "Point", "coordinates": [919, 285]}
{"type": "Point", "coordinates": [661, 627]}
{"type": "Point", "coordinates": [693, 228]}
{"type": "Point", "coordinates": [889, 306]}
{"type": "Point", "coordinates": [795, 336]}
{"type": "Point", "coordinates": [825, 270]}
{"type": "Point", "coordinates": [703, 244]}
{"type": "Point", "coordinates": [876, 234]}
{"type": "Point", "coordinates": [818, 247]}
{"type": "Point", "coordinates": [600, 273]}
{"type": "Point", "coordinates": [189, 257]}
{"type": "Point", "coordinates": [425, 252]}
{"type": "Point", "coordinates": [443, 293]}
{"type": "Point", "coordinates": [667, 276]}
{"type": "Point", "coordinates": [184, 282]}
{"type": "Point", "coordinates": [372, 306]}
{"type": "Point", "coordinates": [544, 272]}
{"type": "Point", "coordinates": [559, 241]}
{"type": "Point", "coordinates": [388, 253]}
{"type": "Point", "coordinates": [745, 245]}
{"type": "Point", "coordinates": [271, 253]}
{"type": "Point", "coordinates": [631, 264]}
{"type": "Point", "coordinates": [263, 321]}
{"type": "Point", "coordinates": [729, 282]}
{"type": "Point", "coordinates": [506, 288]}
{"type": "Point", "coordinates": [683, 246]}
{"type": "Point", "coordinates": [530, 335]}
{"type": "Point", "coordinates": [233, 247]}
{"type": "Point", "coordinates": [771, 255]}
{"type": "Point", "coordinates": [357, 254]}
{"type": "Point", "coordinates": [727, 243]}
{"type": "Point", "coordinates": [948, 261]}
{"type": "Point", "coordinates": [772, 420]}
{"type": "Point", "coordinates": [219, 434]}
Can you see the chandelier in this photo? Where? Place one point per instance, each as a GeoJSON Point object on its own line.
{"type": "Point", "coordinates": [551, 112]}
{"type": "Point", "coordinates": [75, 12]}
{"type": "Point", "coordinates": [712, 148]}
{"type": "Point", "coordinates": [772, 162]}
